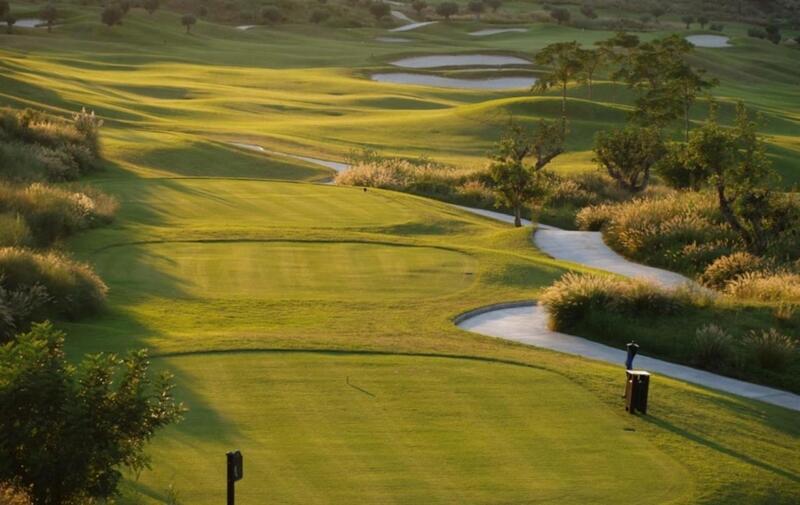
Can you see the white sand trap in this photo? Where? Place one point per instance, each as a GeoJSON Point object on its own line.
{"type": "Point", "coordinates": [709, 40]}
{"type": "Point", "coordinates": [245, 27]}
{"type": "Point", "coordinates": [452, 82]}
{"type": "Point", "coordinates": [495, 31]}
{"type": "Point", "coordinates": [30, 23]}
{"type": "Point", "coordinates": [459, 60]}
{"type": "Point", "coordinates": [334, 165]}
{"type": "Point", "coordinates": [402, 17]}
{"type": "Point", "coordinates": [412, 26]}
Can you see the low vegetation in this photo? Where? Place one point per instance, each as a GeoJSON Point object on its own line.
{"type": "Point", "coordinates": [67, 431]}
{"type": "Point", "coordinates": [37, 281]}
{"type": "Point", "coordinates": [684, 325]}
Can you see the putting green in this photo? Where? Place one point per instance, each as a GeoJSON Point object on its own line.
{"type": "Point", "coordinates": [285, 270]}
{"type": "Point", "coordinates": [322, 428]}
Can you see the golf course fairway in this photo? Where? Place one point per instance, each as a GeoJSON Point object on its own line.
{"type": "Point", "coordinates": [311, 325]}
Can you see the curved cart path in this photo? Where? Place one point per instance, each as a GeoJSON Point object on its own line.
{"type": "Point", "coordinates": [526, 322]}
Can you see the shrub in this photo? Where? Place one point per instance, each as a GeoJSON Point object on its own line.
{"type": "Point", "coordinates": [574, 296]}
{"type": "Point", "coordinates": [51, 213]}
{"type": "Point", "coordinates": [712, 347]}
{"type": "Point", "coordinates": [680, 231]}
{"type": "Point", "coordinates": [271, 14]}
{"type": "Point", "coordinates": [756, 33]}
{"type": "Point", "coordinates": [36, 146]}
{"type": "Point", "coordinates": [730, 267]}
{"type": "Point", "coordinates": [19, 308]}
{"type": "Point", "coordinates": [74, 289]}
{"type": "Point", "coordinates": [771, 349]}
{"type": "Point", "coordinates": [14, 230]}
{"type": "Point", "coordinates": [318, 16]}
{"type": "Point", "coordinates": [763, 286]}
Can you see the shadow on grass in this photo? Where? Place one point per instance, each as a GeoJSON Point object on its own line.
{"type": "Point", "coordinates": [706, 442]}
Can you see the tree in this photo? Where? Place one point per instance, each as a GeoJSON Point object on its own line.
{"type": "Point", "coordinates": [151, 5]}
{"type": "Point", "coordinates": [5, 9]}
{"type": "Point", "coordinates": [494, 4]}
{"type": "Point", "coordinates": [666, 82]}
{"type": "Point", "coordinates": [657, 12]}
{"type": "Point", "coordinates": [188, 21]}
{"type": "Point", "coordinates": [560, 15]}
{"type": "Point", "coordinates": [111, 15]}
{"type": "Point", "coordinates": [773, 34]}
{"type": "Point", "coordinates": [419, 6]}
{"type": "Point", "coordinates": [271, 14]}
{"type": "Point", "coordinates": [588, 11]}
{"type": "Point", "coordinates": [688, 20]}
{"type": "Point", "coordinates": [68, 430]}
{"type": "Point", "coordinates": [565, 65]}
{"type": "Point", "coordinates": [703, 20]}
{"type": "Point", "coordinates": [49, 14]}
{"type": "Point", "coordinates": [380, 10]}
{"type": "Point", "coordinates": [318, 16]}
{"type": "Point", "coordinates": [10, 22]}
{"type": "Point", "coordinates": [628, 154]}
{"type": "Point", "coordinates": [514, 182]}
{"type": "Point", "coordinates": [447, 9]}
{"type": "Point", "coordinates": [591, 61]}
{"type": "Point", "coordinates": [125, 6]}
{"type": "Point", "coordinates": [476, 7]}
{"type": "Point", "coordinates": [740, 172]}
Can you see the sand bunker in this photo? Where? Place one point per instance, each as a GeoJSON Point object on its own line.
{"type": "Point", "coordinates": [30, 23]}
{"type": "Point", "coordinates": [495, 31]}
{"type": "Point", "coordinates": [412, 26]}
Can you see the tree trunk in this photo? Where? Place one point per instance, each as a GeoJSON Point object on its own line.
{"type": "Point", "coordinates": [729, 216]}
{"type": "Point", "coordinates": [589, 81]}
{"type": "Point", "coordinates": [686, 107]}
{"type": "Point", "coordinates": [517, 216]}
{"type": "Point", "coordinates": [564, 109]}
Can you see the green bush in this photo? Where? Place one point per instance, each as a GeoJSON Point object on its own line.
{"type": "Point", "coordinates": [14, 230]}
{"type": "Point", "coordinates": [575, 296]}
{"type": "Point", "coordinates": [73, 288]}
{"type": "Point", "coordinates": [712, 347]}
{"type": "Point", "coordinates": [771, 349]}
{"type": "Point", "coordinates": [19, 308]}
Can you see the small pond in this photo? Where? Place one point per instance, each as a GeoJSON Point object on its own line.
{"type": "Point", "coordinates": [709, 40]}
{"type": "Point", "coordinates": [459, 60]}
{"type": "Point", "coordinates": [492, 83]}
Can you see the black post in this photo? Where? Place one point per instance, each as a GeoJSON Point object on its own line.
{"type": "Point", "coordinates": [235, 466]}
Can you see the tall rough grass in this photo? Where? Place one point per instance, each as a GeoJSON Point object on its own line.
{"type": "Point", "coordinates": [38, 215]}
{"type": "Point", "coordinates": [679, 231]}
{"type": "Point", "coordinates": [421, 177]}
{"type": "Point", "coordinates": [771, 349]}
{"type": "Point", "coordinates": [35, 146]}
{"type": "Point", "coordinates": [573, 297]}
{"type": "Point", "coordinates": [73, 288]}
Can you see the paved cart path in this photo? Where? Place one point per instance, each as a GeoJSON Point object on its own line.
{"type": "Point", "coordinates": [527, 323]}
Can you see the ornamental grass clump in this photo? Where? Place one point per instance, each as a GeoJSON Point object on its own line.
{"type": "Point", "coordinates": [39, 215]}
{"type": "Point", "coordinates": [73, 288]}
{"type": "Point", "coordinates": [771, 349]}
{"type": "Point", "coordinates": [730, 267]}
{"type": "Point", "coordinates": [712, 348]}
{"type": "Point", "coordinates": [677, 231]}
{"type": "Point", "coordinates": [767, 287]}
{"type": "Point", "coordinates": [575, 296]}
